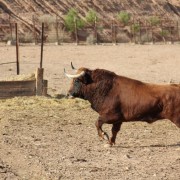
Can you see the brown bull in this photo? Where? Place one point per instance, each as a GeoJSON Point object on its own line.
{"type": "Point", "coordinates": [119, 99]}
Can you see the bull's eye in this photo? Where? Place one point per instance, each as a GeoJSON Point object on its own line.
{"type": "Point", "coordinates": [76, 81]}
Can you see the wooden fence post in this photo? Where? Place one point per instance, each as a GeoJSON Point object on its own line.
{"type": "Point", "coordinates": [171, 32]}
{"type": "Point", "coordinates": [34, 30]}
{"type": "Point", "coordinates": [42, 45]}
{"type": "Point", "coordinates": [178, 30]}
{"type": "Point", "coordinates": [10, 28]}
{"type": "Point", "coordinates": [57, 32]}
{"type": "Point", "coordinates": [95, 30]}
{"type": "Point", "coordinates": [39, 81]}
{"type": "Point", "coordinates": [152, 33]}
{"type": "Point", "coordinates": [140, 41]}
{"type": "Point", "coordinates": [113, 29]}
{"type": "Point", "coordinates": [75, 28]}
{"type": "Point", "coordinates": [17, 49]}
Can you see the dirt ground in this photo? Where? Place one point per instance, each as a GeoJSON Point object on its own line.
{"type": "Point", "coordinates": [46, 138]}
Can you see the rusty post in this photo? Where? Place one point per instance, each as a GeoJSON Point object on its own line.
{"type": "Point", "coordinates": [171, 32]}
{"type": "Point", "coordinates": [34, 29]}
{"type": "Point", "coordinates": [113, 32]}
{"type": "Point", "coordinates": [178, 30]}
{"type": "Point", "coordinates": [57, 32]}
{"type": "Point", "coordinates": [131, 33]}
{"type": "Point", "coordinates": [75, 28]}
{"type": "Point", "coordinates": [152, 33]}
{"type": "Point", "coordinates": [10, 27]}
{"type": "Point", "coordinates": [95, 30]}
{"type": "Point", "coordinates": [42, 44]}
{"type": "Point", "coordinates": [140, 32]}
{"type": "Point", "coordinates": [134, 30]}
{"type": "Point", "coordinates": [17, 49]}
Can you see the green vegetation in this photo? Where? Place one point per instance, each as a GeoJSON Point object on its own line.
{"type": "Point", "coordinates": [164, 33]}
{"type": "Point", "coordinates": [124, 17]}
{"type": "Point", "coordinates": [154, 21]}
{"type": "Point", "coordinates": [135, 28]}
{"type": "Point", "coordinates": [91, 17]}
{"type": "Point", "coordinates": [71, 18]}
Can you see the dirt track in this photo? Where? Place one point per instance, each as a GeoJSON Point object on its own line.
{"type": "Point", "coordinates": [49, 138]}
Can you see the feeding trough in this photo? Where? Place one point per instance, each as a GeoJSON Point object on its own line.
{"type": "Point", "coordinates": [24, 85]}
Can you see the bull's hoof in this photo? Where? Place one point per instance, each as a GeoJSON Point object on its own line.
{"type": "Point", "coordinates": [105, 136]}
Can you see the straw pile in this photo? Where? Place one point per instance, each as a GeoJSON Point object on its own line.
{"type": "Point", "coordinates": [22, 77]}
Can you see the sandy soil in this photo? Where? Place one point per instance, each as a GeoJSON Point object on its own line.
{"type": "Point", "coordinates": [50, 138]}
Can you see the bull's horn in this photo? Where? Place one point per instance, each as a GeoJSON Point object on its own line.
{"type": "Point", "coordinates": [71, 76]}
{"type": "Point", "coordinates": [73, 67]}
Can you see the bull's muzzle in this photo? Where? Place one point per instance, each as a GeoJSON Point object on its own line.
{"type": "Point", "coordinates": [69, 96]}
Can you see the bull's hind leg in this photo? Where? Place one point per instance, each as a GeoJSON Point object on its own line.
{"type": "Point", "coordinates": [115, 129]}
{"type": "Point", "coordinates": [101, 133]}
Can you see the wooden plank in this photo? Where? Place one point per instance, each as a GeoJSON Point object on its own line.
{"type": "Point", "coordinates": [17, 88]}
{"type": "Point", "coordinates": [17, 95]}
{"type": "Point", "coordinates": [17, 84]}
{"type": "Point", "coordinates": [18, 92]}
{"type": "Point", "coordinates": [39, 81]}
{"type": "Point", "coordinates": [45, 85]}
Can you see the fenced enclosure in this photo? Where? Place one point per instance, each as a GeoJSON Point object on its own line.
{"type": "Point", "coordinates": [152, 29]}
{"type": "Point", "coordinates": [22, 87]}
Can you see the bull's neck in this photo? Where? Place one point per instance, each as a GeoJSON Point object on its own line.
{"type": "Point", "coordinates": [95, 93]}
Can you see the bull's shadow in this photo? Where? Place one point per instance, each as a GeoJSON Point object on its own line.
{"type": "Point", "coordinates": [148, 146]}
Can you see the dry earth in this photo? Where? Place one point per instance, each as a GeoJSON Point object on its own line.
{"type": "Point", "coordinates": [50, 138]}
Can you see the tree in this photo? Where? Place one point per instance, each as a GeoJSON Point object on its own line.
{"type": "Point", "coordinates": [71, 18]}
{"type": "Point", "coordinates": [91, 17]}
{"type": "Point", "coordinates": [124, 17]}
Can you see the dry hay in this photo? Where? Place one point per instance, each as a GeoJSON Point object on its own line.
{"type": "Point", "coordinates": [22, 77]}
{"type": "Point", "coordinates": [40, 102]}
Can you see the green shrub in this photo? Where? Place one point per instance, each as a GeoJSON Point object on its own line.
{"type": "Point", "coordinates": [154, 21]}
{"type": "Point", "coordinates": [164, 33]}
{"type": "Point", "coordinates": [91, 16]}
{"type": "Point", "coordinates": [70, 19]}
{"type": "Point", "coordinates": [124, 17]}
{"type": "Point", "coordinates": [135, 28]}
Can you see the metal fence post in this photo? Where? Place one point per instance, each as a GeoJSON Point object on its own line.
{"type": "Point", "coordinates": [17, 49]}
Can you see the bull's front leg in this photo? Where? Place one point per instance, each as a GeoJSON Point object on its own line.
{"type": "Point", "coordinates": [101, 133]}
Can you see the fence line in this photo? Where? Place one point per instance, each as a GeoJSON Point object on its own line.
{"type": "Point", "coordinates": [137, 31]}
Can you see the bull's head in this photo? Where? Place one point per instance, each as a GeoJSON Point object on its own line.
{"type": "Point", "coordinates": [79, 81]}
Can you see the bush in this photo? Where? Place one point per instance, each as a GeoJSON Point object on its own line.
{"type": "Point", "coordinates": [47, 19]}
{"type": "Point", "coordinates": [164, 33]}
{"type": "Point", "coordinates": [70, 19]}
{"type": "Point", "coordinates": [124, 17]}
{"type": "Point", "coordinates": [135, 28]}
{"type": "Point", "coordinates": [154, 21]}
{"type": "Point", "coordinates": [90, 39]}
{"type": "Point", "coordinates": [91, 16]}
{"type": "Point", "coordinates": [27, 38]}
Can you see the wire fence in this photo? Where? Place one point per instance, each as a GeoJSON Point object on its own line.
{"type": "Point", "coordinates": [136, 31]}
